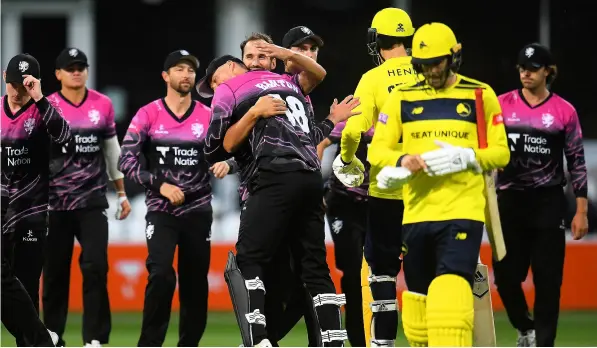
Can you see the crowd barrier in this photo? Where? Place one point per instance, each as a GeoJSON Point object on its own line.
{"type": "Point", "coordinates": [128, 277]}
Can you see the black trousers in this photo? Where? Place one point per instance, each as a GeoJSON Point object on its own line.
{"type": "Point", "coordinates": [534, 233]}
{"type": "Point", "coordinates": [90, 227]}
{"type": "Point", "coordinates": [192, 234]}
{"type": "Point", "coordinates": [28, 263]}
{"type": "Point", "coordinates": [347, 217]}
{"type": "Point", "coordinates": [286, 207]}
{"type": "Point", "coordinates": [19, 315]}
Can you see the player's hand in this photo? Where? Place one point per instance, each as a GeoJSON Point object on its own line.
{"type": "Point", "coordinates": [450, 159]}
{"type": "Point", "coordinates": [220, 169]}
{"type": "Point", "coordinates": [342, 111]}
{"type": "Point", "coordinates": [33, 87]}
{"type": "Point", "coordinates": [392, 178]}
{"type": "Point", "coordinates": [274, 51]}
{"type": "Point", "coordinates": [173, 193]}
{"type": "Point", "coordinates": [350, 174]}
{"type": "Point", "coordinates": [268, 106]}
{"type": "Point", "coordinates": [413, 163]}
{"type": "Point", "coordinates": [123, 208]}
{"type": "Point", "coordinates": [580, 225]}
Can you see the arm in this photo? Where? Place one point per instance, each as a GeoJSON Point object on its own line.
{"type": "Point", "coordinates": [132, 146]}
{"type": "Point", "coordinates": [388, 129]}
{"type": "Point", "coordinates": [497, 153]}
{"type": "Point", "coordinates": [56, 126]}
{"type": "Point", "coordinates": [222, 107]}
{"type": "Point", "coordinates": [111, 151]}
{"type": "Point", "coordinates": [339, 112]}
{"type": "Point", "coordinates": [322, 146]}
{"type": "Point", "coordinates": [238, 132]}
{"type": "Point", "coordinates": [355, 126]}
{"type": "Point", "coordinates": [575, 160]}
{"type": "Point", "coordinates": [333, 138]}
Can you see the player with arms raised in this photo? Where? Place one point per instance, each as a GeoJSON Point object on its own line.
{"type": "Point", "coordinates": [389, 36]}
{"type": "Point", "coordinates": [444, 188]}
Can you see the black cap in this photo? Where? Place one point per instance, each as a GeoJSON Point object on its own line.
{"type": "Point", "coordinates": [535, 55]}
{"type": "Point", "coordinates": [298, 35]}
{"type": "Point", "coordinates": [19, 65]}
{"type": "Point", "coordinates": [180, 55]}
{"type": "Point", "coordinates": [70, 56]}
{"type": "Point", "coordinates": [204, 85]}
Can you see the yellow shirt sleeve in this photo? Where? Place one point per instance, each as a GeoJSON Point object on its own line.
{"type": "Point", "coordinates": [356, 125]}
{"type": "Point", "coordinates": [383, 151]}
{"type": "Point", "coordinates": [497, 153]}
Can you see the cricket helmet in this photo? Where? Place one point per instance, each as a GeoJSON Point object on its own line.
{"type": "Point", "coordinates": [433, 42]}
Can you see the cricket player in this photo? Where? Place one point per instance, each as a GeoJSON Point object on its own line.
{"type": "Point", "coordinates": [440, 166]}
{"type": "Point", "coordinates": [170, 133]}
{"type": "Point", "coordinates": [542, 128]}
{"type": "Point", "coordinates": [285, 190]}
{"type": "Point", "coordinates": [352, 210]}
{"type": "Point", "coordinates": [29, 124]}
{"type": "Point", "coordinates": [287, 299]}
{"type": "Point", "coordinates": [79, 174]}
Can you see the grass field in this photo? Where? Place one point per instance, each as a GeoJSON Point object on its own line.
{"type": "Point", "coordinates": [576, 329]}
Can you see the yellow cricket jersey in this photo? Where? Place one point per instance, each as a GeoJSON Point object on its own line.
{"type": "Point", "coordinates": [373, 90]}
{"type": "Point", "coordinates": [419, 114]}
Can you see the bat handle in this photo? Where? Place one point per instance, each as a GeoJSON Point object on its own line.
{"type": "Point", "coordinates": [479, 258]}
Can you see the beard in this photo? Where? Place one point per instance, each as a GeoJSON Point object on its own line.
{"type": "Point", "coordinates": [183, 90]}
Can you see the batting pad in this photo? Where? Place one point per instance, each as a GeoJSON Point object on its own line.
{"type": "Point", "coordinates": [414, 318]}
{"type": "Point", "coordinates": [450, 312]}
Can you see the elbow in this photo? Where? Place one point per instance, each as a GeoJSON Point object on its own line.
{"type": "Point", "coordinates": [229, 146]}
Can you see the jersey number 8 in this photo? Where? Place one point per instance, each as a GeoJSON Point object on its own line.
{"type": "Point", "coordinates": [295, 112]}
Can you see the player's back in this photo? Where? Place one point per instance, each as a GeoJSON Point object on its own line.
{"type": "Point", "coordinates": [379, 82]}
{"type": "Point", "coordinates": [447, 115]}
{"type": "Point", "coordinates": [280, 143]}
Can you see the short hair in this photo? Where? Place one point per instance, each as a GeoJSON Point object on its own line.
{"type": "Point", "coordinates": [254, 37]}
{"type": "Point", "coordinates": [386, 42]}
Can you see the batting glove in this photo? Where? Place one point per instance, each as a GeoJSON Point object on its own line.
{"type": "Point", "coordinates": [450, 159]}
{"type": "Point", "coordinates": [350, 174]}
{"type": "Point", "coordinates": [392, 178]}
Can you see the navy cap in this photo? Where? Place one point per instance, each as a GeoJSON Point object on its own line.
{"type": "Point", "coordinates": [204, 85]}
{"type": "Point", "coordinates": [300, 34]}
{"type": "Point", "coordinates": [535, 55]}
{"type": "Point", "coordinates": [71, 56]}
{"type": "Point", "coordinates": [178, 56]}
{"type": "Point", "coordinates": [22, 64]}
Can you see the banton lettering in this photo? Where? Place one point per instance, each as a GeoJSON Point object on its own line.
{"type": "Point", "coordinates": [265, 85]}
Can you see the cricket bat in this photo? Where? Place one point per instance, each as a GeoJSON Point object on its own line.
{"type": "Point", "coordinates": [484, 326]}
{"type": "Point", "coordinates": [493, 224]}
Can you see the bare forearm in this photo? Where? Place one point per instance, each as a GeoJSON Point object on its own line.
{"type": "Point", "coordinates": [310, 72]}
{"type": "Point", "coordinates": [582, 205]}
{"type": "Point", "coordinates": [119, 186]}
{"type": "Point", "coordinates": [238, 132]}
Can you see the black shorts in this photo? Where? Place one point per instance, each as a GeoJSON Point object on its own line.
{"type": "Point", "coordinates": [434, 248]}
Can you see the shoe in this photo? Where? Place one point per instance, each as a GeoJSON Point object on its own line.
{"type": "Point", "coordinates": [54, 337]}
{"type": "Point", "coordinates": [526, 339]}
{"type": "Point", "coordinates": [94, 343]}
{"type": "Point", "coordinates": [264, 343]}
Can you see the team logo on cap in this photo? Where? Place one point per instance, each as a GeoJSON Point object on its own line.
{"type": "Point", "coordinates": [400, 28]}
{"type": "Point", "coordinates": [306, 30]}
{"type": "Point", "coordinates": [529, 52]}
{"type": "Point", "coordinates": [94, 116]}
{"type": "Point", "coordinates": [422, 45]}
{"type": "Point", "coordinates": [23, 66]}
{"type": "Point", "coordinates": [184, 52]}
{"type": "Point", "coordinates": [73, 52]}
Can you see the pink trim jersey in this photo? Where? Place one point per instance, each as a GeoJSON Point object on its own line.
{"type": "Point", "coordinates": [25, 138]}
{"type": "Point", "coordinates": [78, 177]}
{"type": "Point", "coordinates": [173, 152]}
{"type": "Point", "coordinates": [540, 137]}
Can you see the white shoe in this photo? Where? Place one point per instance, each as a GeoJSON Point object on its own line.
{"type": "Point", "coordinates": [526, 339]}
{"type": "Point", "coordinates": [54, 337]}
{"type": "Point", "coordinates": [94, 343]}
{"type": "Point", "coordinates": [264, 343]}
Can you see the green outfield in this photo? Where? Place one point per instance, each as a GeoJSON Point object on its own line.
{"type": "Point", "coordinates": [575, 329]}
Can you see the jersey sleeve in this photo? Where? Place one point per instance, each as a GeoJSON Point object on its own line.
{"type": "Point", "coordinates": [222, 107]}
{"type": "Point", "coordinates": [336, 133]}
{"type": "Point", "coordinates": [356, 125]}
{"type": "Point", "coordinates": [575, 155]}
{"type": "Point", "coordinates": [110, 129]}
{"type": "Point", "coordinates": [497, 153]}
{"type": "Point", "coordinates": [132, 147]}
{"type": "Point", "coordinates": [56, 126]}
{"type": "Point", "coordinates": [383, 151]}
{"type": "Point", "coordinates": [321, 130]}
